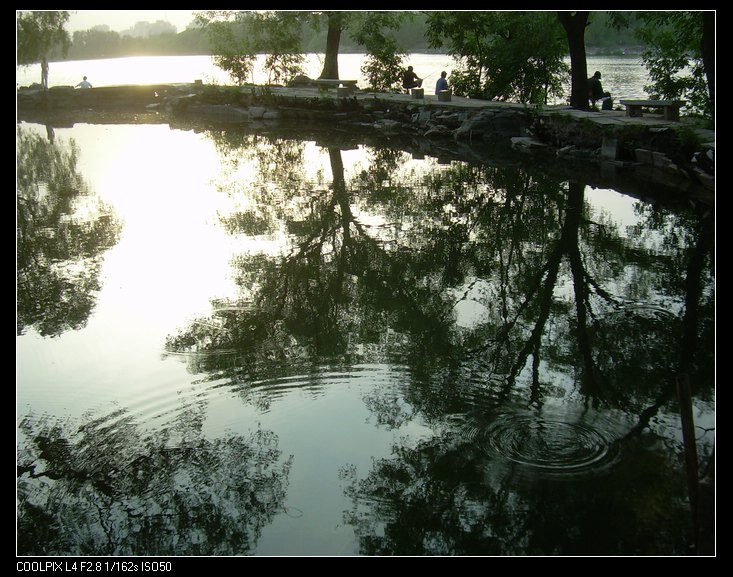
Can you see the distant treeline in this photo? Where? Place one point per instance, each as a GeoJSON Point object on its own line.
{"type": "Point", "coordinates": [95, 43]}
{"type": "Point", "coordinates": [600, 36]}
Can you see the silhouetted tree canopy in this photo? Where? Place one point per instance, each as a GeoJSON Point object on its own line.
{"type": "Point", "coordinates": [502, 55]}
{"type": "Point", "coordinates": [38, 32]}
{"type": "Point", "coordinates": [62, 231]}
{"type": "Point", "coordinates": [108, 488]}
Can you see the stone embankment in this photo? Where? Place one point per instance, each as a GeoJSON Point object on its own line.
{"type": "Point", "coordinates": [648, 149]}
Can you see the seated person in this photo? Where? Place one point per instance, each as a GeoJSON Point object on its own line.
{"type": "Point", "coordinates": [595, 92]}
{"type": "Point", "coordinates": [410, 79]}
{"type": "Point", "coordinates": [442, 83]}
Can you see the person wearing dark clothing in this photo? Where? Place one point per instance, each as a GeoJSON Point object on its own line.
{"type": "Point", "coordinates": [442, 83]}
{"type": "Point", "coordinates": [595, 92]}
{"type": "Point", "coordinates": [410, 79]}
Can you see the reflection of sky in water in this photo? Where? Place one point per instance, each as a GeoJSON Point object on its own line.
{"type": "Point", "coordinates": [169, 261]}
{"type": "Point", "coordinates": [170, 189]}
{"type": "Point", "coordinates": [618, 206]}
{"type": "Point", "coordinates": [172, 259]}
{"type": "Point", "coordinates": [174, 256]}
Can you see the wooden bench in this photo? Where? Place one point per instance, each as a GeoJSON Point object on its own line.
{"type": "Point", "coordinates": [671, 108]}
{"type": "Point", "coordinates": [326, 83]}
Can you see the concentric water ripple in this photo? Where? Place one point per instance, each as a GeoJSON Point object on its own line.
{"type": "Point", "coordinates": [548, 445]}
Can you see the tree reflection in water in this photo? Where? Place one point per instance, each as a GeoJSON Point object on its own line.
{"type": "Point", "coordinates": [108, 488]}
{"type": "Point", "coordinates": [572, 312]}
{"type": "Point", "coordinates": [443, 497]}
{"type": "Point", "coordinates": [62, 230]}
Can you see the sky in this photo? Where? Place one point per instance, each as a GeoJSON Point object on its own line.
{"type": "Point", "coordinates": [119, 20]}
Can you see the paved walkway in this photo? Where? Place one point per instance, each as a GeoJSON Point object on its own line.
{"type": "Point", "coordinates": [602, 117]}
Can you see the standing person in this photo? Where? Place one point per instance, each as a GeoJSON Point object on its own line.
{"type": "Point", "coordinates": [595, 91]}
{"type": "Point", "coordinates": [410, 79]}
{"type": "Point", "coordinates": [442, 83]}
{"type": "Point", "coordinates": [44, 73]}
{"type": "Point", "coordinates": [84, 84]}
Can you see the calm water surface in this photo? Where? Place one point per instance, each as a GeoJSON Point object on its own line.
{"type": "Point", "coordinates": [235, 344]}
{"type": "Point", "coordinates": [623, 76]}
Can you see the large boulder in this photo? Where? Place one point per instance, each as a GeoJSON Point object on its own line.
{"type": "Point", "coordinates": [527, 144]}
{"type": "Point", "coordinates": [450, 119]}
{"type": "Point", "coordinates": [489, 123]}
{"type": "Point", "coordinates": [476, 125]}
{"type": "Point", "coordinates": [439, 131]}
{"type": "Point", "coordinates": [510, 122]}
{"type": "Point", "coordinates": [300, 80]}
{"type": "Point", "coordinates": [388, 126]}
{"type": "Point", "coordinates": [179, 103]}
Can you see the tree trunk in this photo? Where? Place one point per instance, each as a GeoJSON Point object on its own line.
{"type": "Point", "coordinates": [570, 233]}
{"type": "Point", "coordinates": [574, 24]}
{"type": "Point", "coordinates": [331, 63]}
{"type": "Point", "coordinates": [708, 53]}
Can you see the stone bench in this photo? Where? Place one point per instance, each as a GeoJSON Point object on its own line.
{"type": "Point", "coordinates": [671, 108]}
{"type": "Point", "coordinates": [444, 95]}
{"type": "Point", "coordinates": [344, 87]}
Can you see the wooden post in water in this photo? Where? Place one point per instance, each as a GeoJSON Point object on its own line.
{"type": "Point", "coordinates": [684, 397]}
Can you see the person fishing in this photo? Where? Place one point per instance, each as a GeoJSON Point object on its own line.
{"type": "Point", "coordinates": [595, 92]}
{"type": "Point", "coordinates": [442, 83]}
{"type": "Point", "coordinates": [410, 79]}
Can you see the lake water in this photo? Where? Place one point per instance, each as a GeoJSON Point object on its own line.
{"type": "Point", "coordinates": [623, 76]}
{"type": "Point", "coordinates": [236, 343]}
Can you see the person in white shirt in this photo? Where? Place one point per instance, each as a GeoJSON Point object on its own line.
{"type": "Point", "coordinates": [84, 84]}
